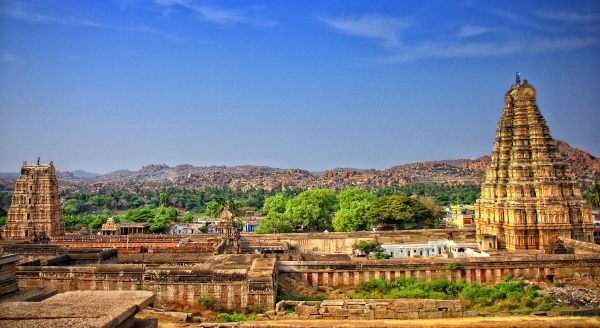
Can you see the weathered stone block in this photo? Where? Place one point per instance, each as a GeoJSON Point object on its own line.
{"type": "Point", "coordinates": [431, 315]}
{"type": "Point", "coordinates": [383, 314]}
{"type": "Point", "coordinates": [407, 315]}
{"type": "Point", "coordinates": [356, 311]}
{"type": "Point", "coordinates": [306, 310]}
{"type": "Point", "coordinates": [356, 317]}
{"type": "Point", "coordinates": [291, 316]}
{"type": "Point", "coordinates": [333, 302]}
{"type": "Point", "coordinates": [338, 312]}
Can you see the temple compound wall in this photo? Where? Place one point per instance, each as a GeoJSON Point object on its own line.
{"type": "Point", "coordinates": [35, 212]}
{"type": "Point", "coordinates": [342, 242]}
{"type": "Point", "coordinates": [368, 309]}
{"type": "Point", "coordinates": [487, 270]}
{"type": "Point", "coordinates": [528, 197]}
{"type": "Point", "coordinates": [232, 288]}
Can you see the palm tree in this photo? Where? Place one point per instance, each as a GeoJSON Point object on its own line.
{"type": "Point", "coordinates": [593, 196]}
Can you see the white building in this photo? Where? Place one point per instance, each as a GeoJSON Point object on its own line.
{"type": "Point", "coordinates": [440, 248]}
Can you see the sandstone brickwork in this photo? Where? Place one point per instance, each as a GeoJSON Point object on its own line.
{"type": "Point", "coordinates": [528, 197]}
{"type": "Point", "coordinates": [36, 210]}
{"type": "Point", "coordinates": [358, 309]}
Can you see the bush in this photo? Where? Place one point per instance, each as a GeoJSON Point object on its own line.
{"type": "Point", "coordinates": [367, 247]}
{"type": "Point", "coordinates": [206, 303]}
{"type": "Point", "coordinates": [235, 317]}
{"type": "Point", "coordinates": [515, 296]}
{"type": "Point", "coordinates": [454, 266]}
{"type": "Point", "coordinates": [381, 256]}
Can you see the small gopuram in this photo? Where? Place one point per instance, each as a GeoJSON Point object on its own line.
{"type": "Point", "coordinates": [35, 212]}
{"type": "Point", "coordinates": [528, 197]}
{"type": "Point", "coordinates": [230, 234]}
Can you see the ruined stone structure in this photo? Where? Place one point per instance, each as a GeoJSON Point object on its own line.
{"type": "Point", "coordinates": [369, 309]}
{"type": "Point", "coordinates": [36, 211]}
{"type": "Point", "coordinates": [528, 197]}
{"type": "Point", "coordinates": [109, 228]}
{"type": "Point", "coordinates": [229, 232]}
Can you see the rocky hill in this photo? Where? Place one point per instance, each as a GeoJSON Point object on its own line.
{"type": "Point", "coordinates": [585, 168]}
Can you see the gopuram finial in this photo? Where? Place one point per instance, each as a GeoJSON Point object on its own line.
{"type": "Point", "coordinates": [518, 76]}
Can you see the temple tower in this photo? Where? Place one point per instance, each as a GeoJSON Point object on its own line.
{"type": "Point", "coordinates": [229, 232]}
{"type": "Point", "coordinates": [35, 212]}
{"type": "Point", "coordinates": [528, 197]}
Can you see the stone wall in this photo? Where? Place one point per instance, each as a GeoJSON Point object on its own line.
{"type": "Point", "coordinates": [367, 309]}
{"type": "Point", "coordinates": [580, 247]}
{"type": "Point", "coordinates": [181, 286]}
{"type": "Point", "coordinates": [149, 242]}
{"type": "Point", "coordinates": [482, 270]}
{"type": "Point", "coordinates": [342, 242]}
{"type": "Point", "coordinates": [8, 280]}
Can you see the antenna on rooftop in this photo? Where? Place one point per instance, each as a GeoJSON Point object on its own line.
{"type": "Point", "coordinates": [38, 160]}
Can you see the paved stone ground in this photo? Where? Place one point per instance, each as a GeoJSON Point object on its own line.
{"type": "Point", "coordinates": [76, 309]}
{"type": "Point", "coordinates": [500, 322]}
{"type": "Point", "coordinates": [473, 322]}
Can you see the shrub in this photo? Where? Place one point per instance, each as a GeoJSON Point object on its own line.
{"type": "Point", "coordinates": [367, 247]}
{"type": "Point", "coordinates": [515, 296]}
{"type": "Point", "coordinates": [381, 255]}
{"type": "Point", "coordinates": [454, 266]}
{"type": "Point", "coordinates": [235, 317]}
{"type": "Point", "coordinates": [206, 303]}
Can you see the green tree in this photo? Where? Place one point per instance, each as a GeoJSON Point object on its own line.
{"type": "Point", "coordinates": [164, 199]}
{"type": "Point", "coordinates": [213, 209]}
{"type": "Point", "coordinates": [404, 213]}
{"type": "Point", "coordinates": [275, 223]}
{"type": "Point", "coordinates": [367, 247]}
{"type": "Point", "coordinates": [275, 204]}
{"type": "Point", "coordinates": [593, 195]}
{"type": "Point", "coordinates": [163, 217]}
{"type": "Point", "coordinates": [354, 205]}
{"type": "Point", "coordinates": [312, 209]}
{"type": "Point", "coordinates": [187, 218]}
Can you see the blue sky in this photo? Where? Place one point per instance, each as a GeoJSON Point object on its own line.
{"type": "Point", "coordinates": [106, 85]}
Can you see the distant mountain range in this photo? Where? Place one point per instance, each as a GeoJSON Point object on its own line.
{"type": "Point", "coordinates": [585, 168]}
{"type": "Point", "coordinates": [63, 175]}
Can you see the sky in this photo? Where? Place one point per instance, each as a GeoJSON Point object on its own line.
{"type": "Point", "coordinates": [108, 85]}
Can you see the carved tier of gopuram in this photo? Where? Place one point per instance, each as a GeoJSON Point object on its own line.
{"type": "Point", "coordinates": [528, 197]}
{"type": "Point", "coordinates": [36, 211]}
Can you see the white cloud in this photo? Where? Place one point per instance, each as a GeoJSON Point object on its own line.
{"type": "Point", "coordinates": [490, 49]}
{"type": "Point", "coordinates": [471, 30]}
{"type": "Point", "coordinates": [385, 29]}
{"type": "Point", "coordinates": [212, 14]}
{"type": "Point", "coordinates": [6, 57]}
{"type": "Point", "coordinates": [568, 17]}
{"type": "Point", "coordinates": [18, 12]}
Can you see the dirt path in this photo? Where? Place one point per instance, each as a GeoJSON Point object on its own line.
{"type": "Point", "coordinates": [500, 322]}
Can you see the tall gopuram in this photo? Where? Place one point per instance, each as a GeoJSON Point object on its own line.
{"type": "Point", "coordinates": [528, 197]}
{"type": "Point", "coordinates": [36, 211]}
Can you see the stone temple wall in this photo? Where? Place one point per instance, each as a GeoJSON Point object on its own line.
{"type": "Point", "coordinates": [482, 270]}
{"type": "Point", "coordinates": [342, 242]}
{"type": "Point", "coordinates": [357, 309]}
{"type": "Point", "coordinates": [230, 289]}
